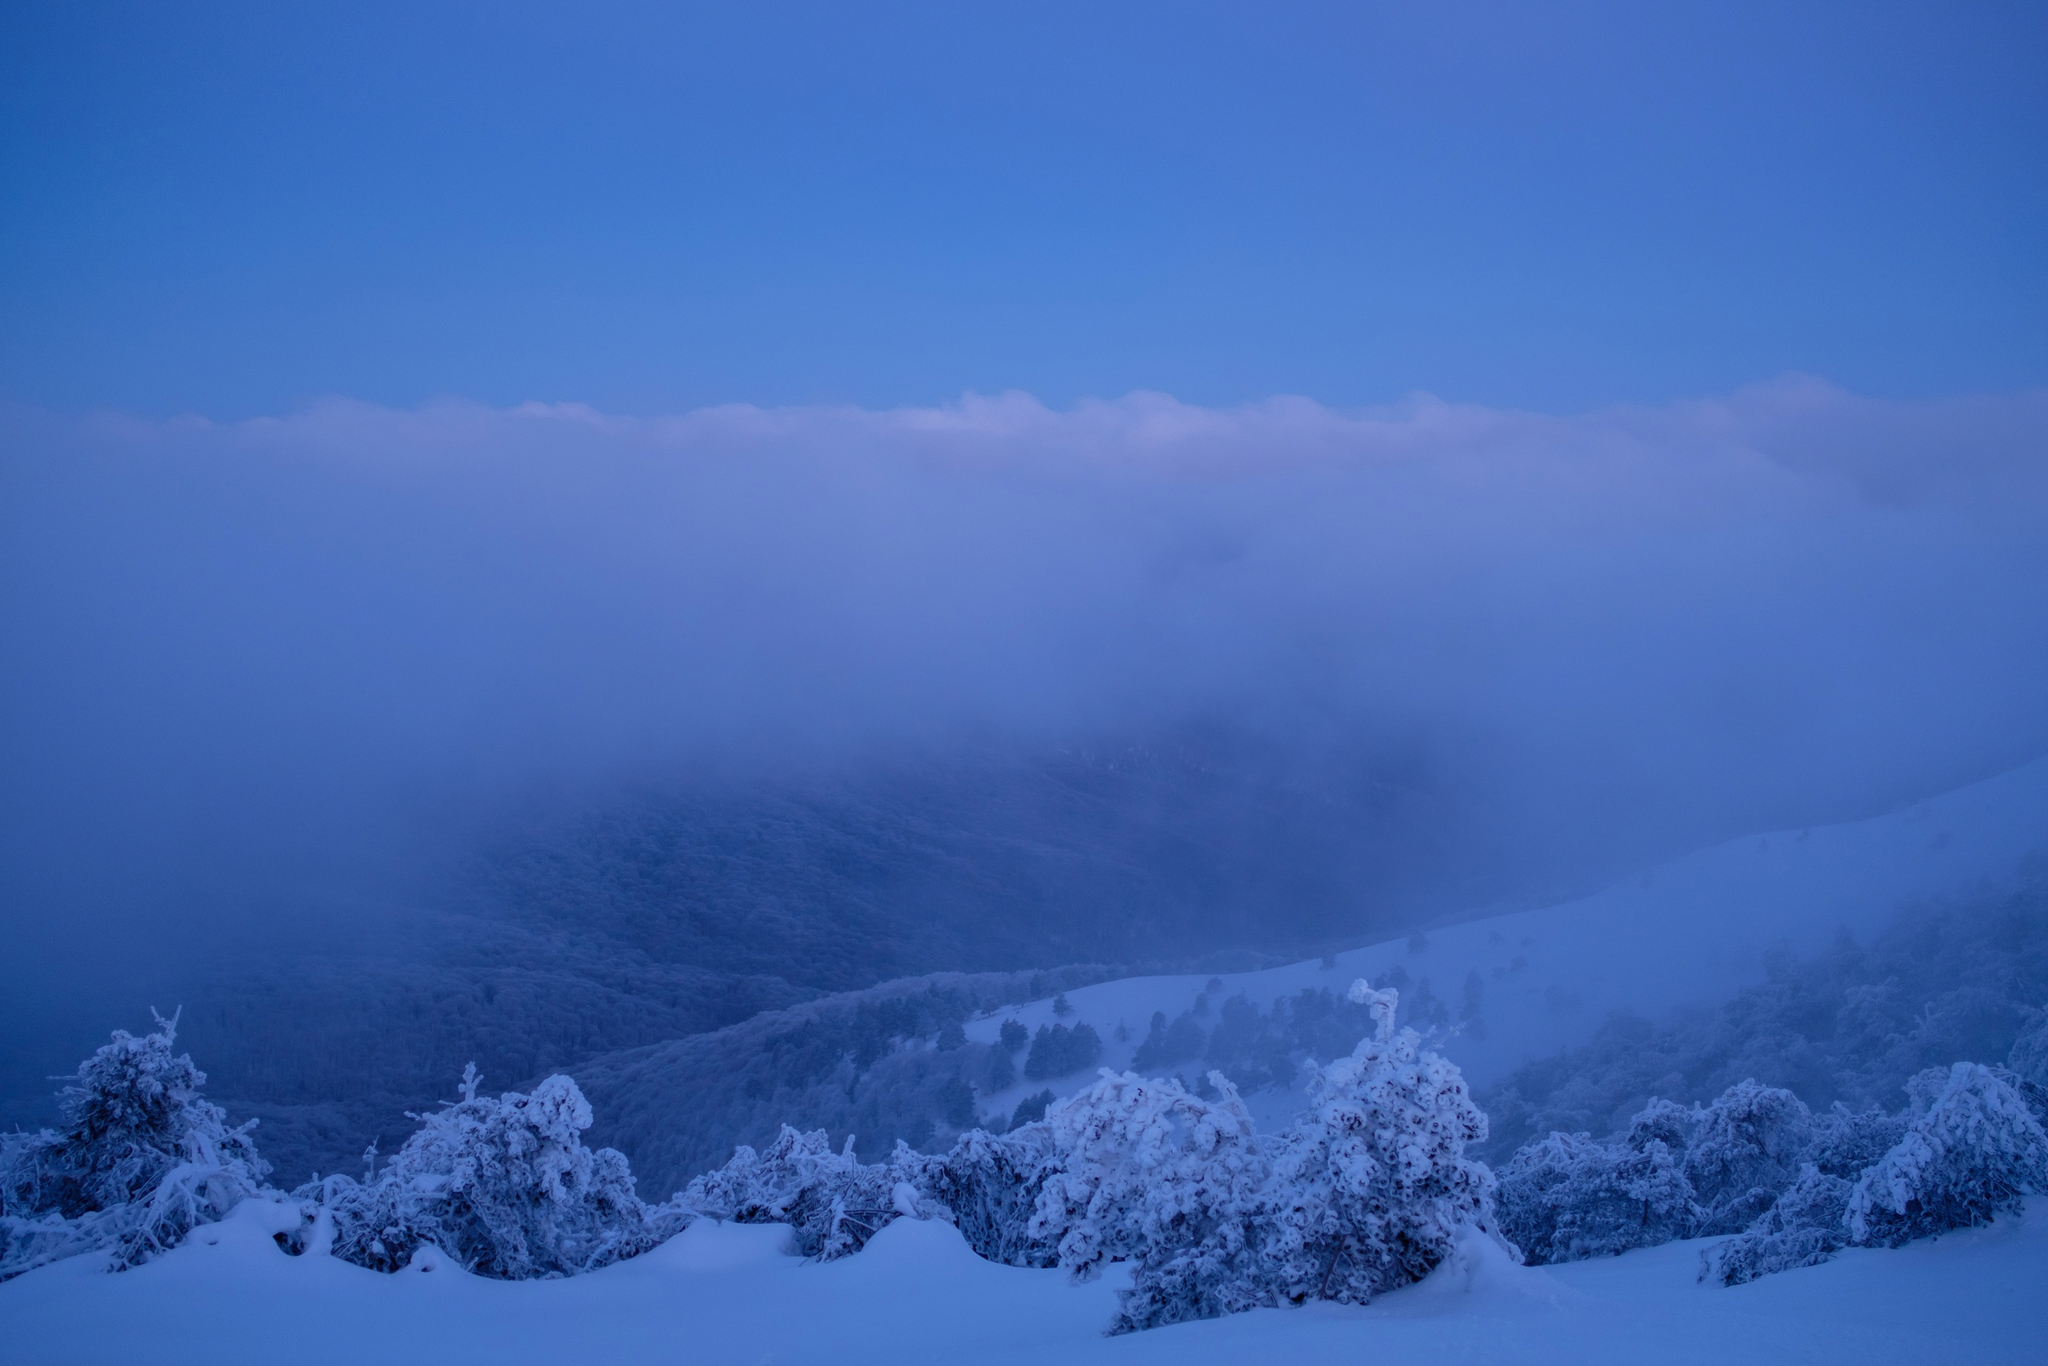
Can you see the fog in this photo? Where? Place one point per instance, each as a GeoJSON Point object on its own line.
{"type": "Point", "coordinates": [259, 674]}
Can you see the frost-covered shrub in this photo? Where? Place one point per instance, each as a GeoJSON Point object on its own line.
{"type": "Point", "coordinates": [1803, 1227]}
{"type": "Point", "coordinates": [133, 1113]}
{"type": "Point", "coordinates": [142, 1158]}
{"type": "Point", "coordinates": [1676, 1173]}
{"type": "Point", "coordinates": [991, 1186]}
{"type": "Point", "coordinates": [1846, 1141]}
{"type": "Point", "coordinates": [1970, 1153]}
{"type": "Point", "coordinates": [1125, 1162]}
{"type": "Point", "coordinates": [1372, 1185]}
{"type": "Point", "coordinates": [1539, 1183]}
{"type": "Point", "coordinates": [1744, 1150]}
{"type": "Point", "coordinates": [1366, 1192]}
{"type": "Point", "coordinates": [1570, 1197]}
{"type": "Point", "coordinates": [832, 1202]}
{"type": "Point", "coordinates": [1966, 1150]}
{"type": "Point", "coordinates": [1149, 1172]}
{"type": "Point", "coordinates": [504, 1186]}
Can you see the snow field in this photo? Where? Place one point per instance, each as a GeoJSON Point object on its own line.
{"type": "Point", "coordinates": [726, 1293]}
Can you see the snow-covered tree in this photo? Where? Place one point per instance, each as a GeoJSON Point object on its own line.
{"type": "Point", "coordinates": [1539, 1184]}
{"type": "Point", "coordinates": [1371, 1186]}
{"type": "Point", "coordinates": [1366, 1192]}
{"type": "Point", "coordinates": [1965, 1152]}
{"type": "Point", "coordinates": [991, 1184]}
{"type": "Point", "coordinates": [504, 1186]}
{"type": "Point", "coordinates": [1145, 1171]}
{"type": "Point", "coordinates": [1167, 1045]}
{"type": "Point", "coordinates": [1744, 1150]}
{"type": "Point", "coordinates": [1804, 1226]}
{"type": "Point", "coordinates": [832, 1201]}
{"type": "Point", "coordinates": [1972, 1150]}
{"type": "Point", "coordinates": [1571, 1197]}
{"type": "Point", "coordinates": [956, 1103]}
{"type": "Point", "coordinates": [1846, 1141]}
{"type": "Point", "coordinates": [142, 1158]}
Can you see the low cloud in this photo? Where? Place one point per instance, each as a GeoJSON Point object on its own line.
{"type": "Point", "coordinates": [266, 648]}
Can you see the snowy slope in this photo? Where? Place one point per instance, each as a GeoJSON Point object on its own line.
{"type": "Point", "coordinates": [726, 1294]}
{"type": "Point", "coordinates": [1692, 931]}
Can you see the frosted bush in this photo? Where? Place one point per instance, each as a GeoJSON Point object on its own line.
{"type": "Point", "coordinates": [1846, 1141]}
{"type": "Point", "coordinates": [141, 1159]}
{"type": "Point", "coordinates": [1676, 1173]}
{"type": "Point", "coordinates": [504, 1186]}
{"type": "Point", "coordinates": [1371, 1187]}
{"type": "Point", "coordinates": [1970, 1153]}
{"type": "Point", "coordinates": [1744, 1150]}
{"type": "Point", "coordinates": [1966, 1151]}
{"type": "Point", "coordinates": [1571, 1197]}
{"type": "Point", "coordinates": [2026, 1065]}
{"type": "Point", "coordinates": [987, 1184]}
{"type": "Point", "coordinates": [1539, 1183]}
{"type": "Point", "coordinates": [1369, 1190]}
{"type": "Point", "coordinates": [991, 1184]}
{"type": "Point", "coordinates": [832, 1201]}
{"type": "Point", "coordinates": [1803, 1227]}
{"type": "Point", "coordinates": [1149, 1172]}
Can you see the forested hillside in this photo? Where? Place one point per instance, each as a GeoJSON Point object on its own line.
{"type": "Point", "coordinates": [1851, 1025]}
{"type": "Point", "coordinates": [1001, 857]}
{"type": "Point", "coordinates": [604, 924]}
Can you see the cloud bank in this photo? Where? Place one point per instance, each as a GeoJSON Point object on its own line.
{"type": "Point", "coordinates": [257, 654]}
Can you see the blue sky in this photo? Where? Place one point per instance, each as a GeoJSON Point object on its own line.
{"type": "Point", "coordinates": [233, 209]}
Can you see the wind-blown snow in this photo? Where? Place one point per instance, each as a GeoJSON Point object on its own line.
{"type": "Point", "coordinates": [730, 1294]}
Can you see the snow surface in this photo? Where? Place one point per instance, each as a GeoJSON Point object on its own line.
{"type": "Point", "coordinates": [1692, 931]}
{"type": "Point", "coordinates": [723, 1293]}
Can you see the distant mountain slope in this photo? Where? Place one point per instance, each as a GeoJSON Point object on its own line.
{"type": "Point", "coordinates": [996, 858]}
{"type": "Point", "coordinates": [663, 913]}
{"type": "Point", "coordinates": [1502, 991]}
{"type": "Point", "coordinates": [1692, 931]}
